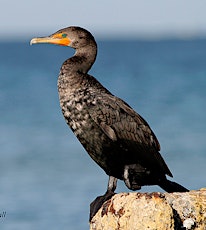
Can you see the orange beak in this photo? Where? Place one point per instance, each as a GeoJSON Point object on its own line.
{"type": "Point", "coordinates": [58, 39]}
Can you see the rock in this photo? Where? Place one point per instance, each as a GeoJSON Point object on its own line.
{"type": "Point", "coordinates": [152, 211]}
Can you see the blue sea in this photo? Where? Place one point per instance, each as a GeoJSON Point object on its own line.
{"type": "Point", "coordinates": [47, 180]}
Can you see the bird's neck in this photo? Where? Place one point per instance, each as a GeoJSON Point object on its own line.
{"type": "Point", "coordinates": [73, 71]}
{"type": "Point", "coordinates": [81, 62]}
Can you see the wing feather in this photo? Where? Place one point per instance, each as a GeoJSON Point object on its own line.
{"type": "Point", "coordinates": [124, 122]}
{"type": "Point", "coordinates": [120, 122]}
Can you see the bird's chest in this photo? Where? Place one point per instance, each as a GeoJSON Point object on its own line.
{"type": "Point", "coordinates": [75, 110]}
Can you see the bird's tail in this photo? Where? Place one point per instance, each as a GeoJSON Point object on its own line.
{"type": "Point", "coordinates": [170, 186]}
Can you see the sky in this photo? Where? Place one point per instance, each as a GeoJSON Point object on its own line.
{"type": "Point", "coordinates": [106, 18]}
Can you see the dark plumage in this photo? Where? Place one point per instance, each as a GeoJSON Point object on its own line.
{"type": "Point", "coordinates": [117, 138]}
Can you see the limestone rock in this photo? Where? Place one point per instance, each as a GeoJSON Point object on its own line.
{"type": "Point", "coordinates": [152, 211]}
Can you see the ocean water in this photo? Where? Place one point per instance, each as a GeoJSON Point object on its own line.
{"type": "Point", "coordinates": [47, 180]}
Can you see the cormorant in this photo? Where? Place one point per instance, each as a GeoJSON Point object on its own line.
{"type": "Point", "coordinates": [117, 138]}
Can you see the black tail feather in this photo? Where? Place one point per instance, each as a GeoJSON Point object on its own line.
{"type": "Point", "coordinates": [170, 186]}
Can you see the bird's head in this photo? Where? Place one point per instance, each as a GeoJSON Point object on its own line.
{"type": "Point", "coordinates": [75, 37]}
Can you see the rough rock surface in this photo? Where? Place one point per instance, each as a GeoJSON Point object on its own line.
{"type": "Point", "coordinates": [152, 211]}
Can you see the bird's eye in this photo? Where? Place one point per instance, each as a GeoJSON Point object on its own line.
{"type": "Point", "coordinates": [64, 35]}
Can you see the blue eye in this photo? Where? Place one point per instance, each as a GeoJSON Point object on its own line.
{"type": "Point", "coordinates": [64, 35]}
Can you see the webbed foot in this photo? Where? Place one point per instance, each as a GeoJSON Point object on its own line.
{"type": "Point", "coordinates": [99, 201]}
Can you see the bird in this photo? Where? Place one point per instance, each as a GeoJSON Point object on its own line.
{"type": "Point", "coordinates": [115, 136]}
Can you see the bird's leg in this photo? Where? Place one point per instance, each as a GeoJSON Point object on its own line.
{"type": "Point", "coordinates": [112, 184]}
{"type": "Point", "coordinates": [98, 202]}
{"type": "Point", "coordinates": [126, 176]}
